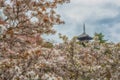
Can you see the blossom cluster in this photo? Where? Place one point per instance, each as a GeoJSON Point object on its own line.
{"type": "Point", "coordinates": [68, 61]}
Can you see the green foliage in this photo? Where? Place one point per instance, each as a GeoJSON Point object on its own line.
{"type": "Point", "coordinates": [100, 37]}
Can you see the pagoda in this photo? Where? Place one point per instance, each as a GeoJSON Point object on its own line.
{"type": "Point", "coordinates": [84, 36]}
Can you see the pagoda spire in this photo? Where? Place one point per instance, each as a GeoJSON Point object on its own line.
{"type": "Point", "coordinates": [84, 29]}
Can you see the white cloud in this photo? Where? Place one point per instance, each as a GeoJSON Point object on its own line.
{"type": "Point", "coordinates": [114, 32]}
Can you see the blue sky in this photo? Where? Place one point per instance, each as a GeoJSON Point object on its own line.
{"type": "Point", "coordinates": [99, 16]}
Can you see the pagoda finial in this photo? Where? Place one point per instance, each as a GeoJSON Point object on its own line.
{"type": "Point", "coordinates": [84, 29]}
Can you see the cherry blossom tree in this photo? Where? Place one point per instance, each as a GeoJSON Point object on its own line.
{"type": "Point", "coordinates": [22, 56]}
{"type": "Point", "coordinates": [26, 21]}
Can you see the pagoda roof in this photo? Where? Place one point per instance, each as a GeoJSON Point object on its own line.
{"type": "Point", "coordinates": [84, 36]}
